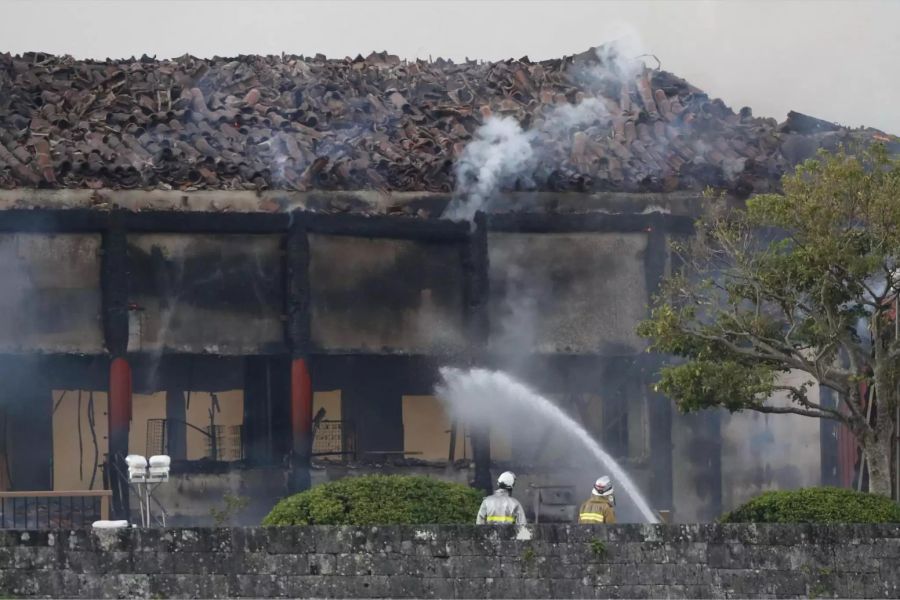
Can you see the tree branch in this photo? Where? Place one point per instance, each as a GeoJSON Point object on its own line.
{"type": "Point", "coordinates": [793, 410]}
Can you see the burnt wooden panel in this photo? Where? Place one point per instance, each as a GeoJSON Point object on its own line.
{"type": "Point", "coordinates": [379, 295]}
{"type": "Point", "coordinates": [206, 294]}
{"type": "Point", "coordinates": [51, 300]}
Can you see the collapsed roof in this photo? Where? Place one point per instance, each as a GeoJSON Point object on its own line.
{"type": "Point", "coordinates": [295, 123]}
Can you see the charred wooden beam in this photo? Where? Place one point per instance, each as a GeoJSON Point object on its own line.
{"type": "Point", "coordinates": [476, 289]}
{"type": "Point", "coordinates": [298, 332]}
{"type": "Point", "coordinates": [477, 322]}
{"type": "Point", "coordinates": [432, 230]}
{"type": "Point", "coordinates": [114, 293]}
{"type": "Point", "coordinates": [114, 285]}
{"type": "Point", "coordinates": [299, 335]}
{"type": "Point", "coordinates": [87, 221]}
{"type": "Point", "coordinates": [199, 222]}
{"type": "Point", "coordinates": [589, 223]}
{"type": "Point", "coordinates": [55, 221]}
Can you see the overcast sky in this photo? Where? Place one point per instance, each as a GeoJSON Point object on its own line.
{"type": "Point", "coordinates": [836, 60]}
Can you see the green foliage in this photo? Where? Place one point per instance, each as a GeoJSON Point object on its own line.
{"type": "Point", "coordinates": [233, 505]}
{"type": "Point", "coordinates": [816, 505]}
{"type": "Point", "coordinates": [378, 500]}
{"type": "Point", "coordinates": [528, 555]}
{"type": "Point", "coordinates": [598, 547]}
{"type": "Point", "coordinates": [781, 286]}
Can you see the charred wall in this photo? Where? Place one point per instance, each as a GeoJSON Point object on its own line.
{"type": "Point", "coordinates": [205, 294]}
{"type": "Point", "coordinates": [385, 295]}
{"type": "Point", "coordinates": [579, 293]}
{"type": "Point", "coordinates": [51, 293]}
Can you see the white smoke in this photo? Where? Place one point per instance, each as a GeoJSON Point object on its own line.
{"type": "Point", "coordinates": [502, 154]}
{"type": "Point", "coordinates": [499, 154]}
{"type": "Point", "coordinates": [567, 117]}
{"type": "Point", "coordinates": [621, 57]}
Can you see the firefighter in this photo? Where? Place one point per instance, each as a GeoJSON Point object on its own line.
{"type": "Point", "coordinates": [599, 507]}
{"type": "Point", "coordinates": [501, 508]}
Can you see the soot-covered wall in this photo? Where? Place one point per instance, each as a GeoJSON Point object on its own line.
{"type": "Point", "coordinates": [216, 294]}
{"type": "Point", "coordinates": [578, 293]}
{"type": "Point", "coordinates": [50, 297]}
{"type": "Point", "coordinates": [385, 295]}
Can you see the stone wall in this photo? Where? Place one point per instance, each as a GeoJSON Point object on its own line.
{"type": "Point", "coordinates": [633, 561]}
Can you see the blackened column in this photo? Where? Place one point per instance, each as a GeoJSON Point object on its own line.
{"type": "Point", "coordinates": [114, 268]}
{"type": "Point", "coordinates": [477, 323]}
{"type": "Point", "coordinates": [298, 334]}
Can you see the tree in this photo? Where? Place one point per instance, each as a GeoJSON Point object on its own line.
{"type": "Point", "coordinates": [803, 281]}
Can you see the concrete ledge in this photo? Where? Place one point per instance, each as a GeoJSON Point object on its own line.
{"type": "Point", "coordinates": [562, 561]}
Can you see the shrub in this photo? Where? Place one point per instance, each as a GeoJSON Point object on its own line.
{"type": "Point", "coordinates": [816, 505]}
{"type": "Point", "coordinates": [378, 500]}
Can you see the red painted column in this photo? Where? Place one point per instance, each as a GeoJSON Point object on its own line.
{"type": "Point", "coordinates": [119, 419]}
{"type": "Point", "coordinates": [119, 395]}
{"type": "Point", "coordinates": [301, 408]}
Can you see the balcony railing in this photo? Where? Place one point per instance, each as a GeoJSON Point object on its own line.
{"type": "Point", "coordinates": [53, 510]}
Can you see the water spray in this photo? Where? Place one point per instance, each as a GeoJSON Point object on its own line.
{"type": "Point", "coordinates": [489, 397]}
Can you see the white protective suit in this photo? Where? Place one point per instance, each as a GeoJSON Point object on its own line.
{"type": "Point", "coordinates": [500, 508]}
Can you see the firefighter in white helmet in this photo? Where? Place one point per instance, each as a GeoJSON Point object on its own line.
{"type": "Point", "coordinates": [599, 507]}
{"type": "Point", "coordinates": [501, 508]}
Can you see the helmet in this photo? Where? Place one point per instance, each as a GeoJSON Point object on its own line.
{"type": "Point", "coordinates": [506, 480]}
{"type": "Point", "coordinates": [603, 487]}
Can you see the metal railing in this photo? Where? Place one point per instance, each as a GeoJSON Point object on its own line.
{"type": "Point", "coordinates": [223, 445]}
{"type": "Point", "coordinates": [53, 509]}
{"type": "Point", "coordinates": [334, 438]}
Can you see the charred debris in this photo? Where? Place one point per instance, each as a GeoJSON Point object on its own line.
{"type": "Point", "coordinates": [381, 123]}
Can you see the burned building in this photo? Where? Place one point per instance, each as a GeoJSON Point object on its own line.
{"type": "Point", "coordinates": [242, 263]}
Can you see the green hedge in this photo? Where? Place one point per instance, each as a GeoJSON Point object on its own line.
{"type": "Point", "coordinates": [378, 500]}
{"type": "Point", "coordinates": [816, 505]}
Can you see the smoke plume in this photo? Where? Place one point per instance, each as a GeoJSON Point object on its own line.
{"type": "Point", "coordinates": [500, 153]}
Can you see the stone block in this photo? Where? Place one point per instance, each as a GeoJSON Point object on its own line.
{"type": "Point", "coordinates": [614, 552]}
{"type": "Point", "coordinates": [742, 583]}
{"type": "Point", "coordinates": [551, 533]}
{"type": "Point", "coordinates": [246, 585]}
{"type": "Point", "coordinates": [363, 586]}
{"type": "Point", "coordinates": [879, 589]}
{"type": "Point", "coordinates": [322, 564]}
{"type": "Point", "coordinates": [249, 562]}
{"type": "Point", "coordinates": [474, 566]}
{"type": "Point", "coordinates": [85, 562]}
{"type": "Point", "coordinates": [187, 540]}
{"type": "Point", "coordinates": [469, 587]}
{"type": "Point", "coordinates": [311, 586]}
{"type": "Point", "coordinates": [128, 585]}
{"type": "Point", "coordinates": [384, 539]}
{"type": "Point", "coordinates": [420, 566]}
{"type": "Point", "coordinates": [535, 588]}
{"type": "Point", "coordinates": [412, 586]}
{"type": "Point", "coordinates": [684, 553]}
{"type": "Point", "coordinates": [786, 584]}
{"type": "Point", "coordinates": [462, 547]}
{"type": "Point", "coordinates": [586, 533]}
{"type": "Point", "coordinates": [246, 539]}
{"type": "Point", "coordinates": [150, 562]}
{"type": "Point", "coordinates": [186, 563]}
{"type": "Point", "coordinates": [33, 538]}
{"type": "Point", "coordinates": [843, 586]}
{"type": "Point", "coordinates": [682, 533]}
{"type": "Point", "coordinates": [570, 588]}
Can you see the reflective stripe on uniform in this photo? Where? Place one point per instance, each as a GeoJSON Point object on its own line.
{"type": "Point", "coordinates": [593, 517]}
{"type": "Point", "coordinates": [499, 519]}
